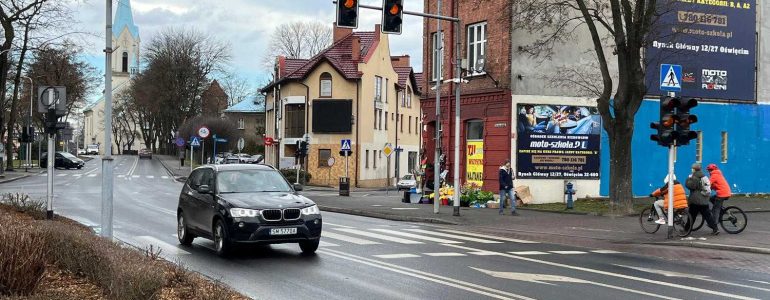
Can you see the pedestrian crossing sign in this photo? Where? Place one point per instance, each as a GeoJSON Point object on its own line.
{"type": "Point", "coordinates": [345, 145]}
{"type": "Point", "coordinates": [195, 142]}
{"type": "Point", "coordinates": [670, 78]}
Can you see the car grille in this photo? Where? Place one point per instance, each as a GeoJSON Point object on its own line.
{"type": "Point", "coordinates": [271, 214]}
{"type": "Point", "coordinates": [291, 214]}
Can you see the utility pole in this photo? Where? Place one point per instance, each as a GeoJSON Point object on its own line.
{"type": "Point", "coordinates": [51, 161]}
{"type": "Point", "coordinates": [106, 230]}
{"type": "Point", "coordinates": [29, 125]}
{"type": "Point", "coordinates": [458, 71]}
{"type": "Point", "coordinates": [437, 152]}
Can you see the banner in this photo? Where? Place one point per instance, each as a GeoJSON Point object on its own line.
{"type": "Point", "coordinates": [558, 141]}
{"type": "Point", "coordinates": [474, 167]}
{"type": "Point", "coordinates": [713, 41]}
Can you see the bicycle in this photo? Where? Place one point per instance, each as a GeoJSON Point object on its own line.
{"type": "Point", "coordinates": [681, 221]}
{"type": "Point", "coordinates": [732, 219]}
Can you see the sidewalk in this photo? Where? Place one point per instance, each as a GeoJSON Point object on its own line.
{"type": "Point", "coordinates": [173, 166]}
{"type": "Point", "coordinates": [9, 176]}
{"type": "Point", "coordinates": [558, 227]}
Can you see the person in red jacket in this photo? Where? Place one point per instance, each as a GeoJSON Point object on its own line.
{"type": "Point", "coordinates": [721, 187]}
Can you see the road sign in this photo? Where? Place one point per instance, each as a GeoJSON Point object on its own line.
{"type": "Point", "coordinates": [269, 141]}
{"type": "Point", "coordinates": [387, 150]}
{"type": "Point", "coordinates": [204, 132]}
{"type": "Point", "coordinates": [179, 142]}
{"type": "Point", "coordinates": [241, 144]}
{"type": "Point", "coordinates": [47, 100]}
{"type": "Point", "coordinates": [220, 140]}
{"type": "Point", "coordinates": [670, 78]}
{"type": "Point", "coordinates": [195, 142]}
{"type": "Point", "coordinates": [345, 145]}
{"type": "Point", "coordinates": [330, 161]}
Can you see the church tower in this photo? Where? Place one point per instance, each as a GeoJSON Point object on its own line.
{"type": "Point", "coordinates": [126, 45]}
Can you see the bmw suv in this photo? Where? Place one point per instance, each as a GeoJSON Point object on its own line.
{"type": "Point", "coordinates": [246, 204]}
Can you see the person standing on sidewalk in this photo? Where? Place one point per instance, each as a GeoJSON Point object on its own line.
{"type": "Point", "coordinates": [698, 201]}
{"type": "Point", "coordinates": [721, 187]}
{"type": "Point", "coordinates": [506, 187]}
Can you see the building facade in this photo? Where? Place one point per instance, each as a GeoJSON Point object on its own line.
{"type": "Point", "coordinates": [354, 90]}
{"type": "Point", "coordinates": [250, 120]}
{"type": "Point", "coordinates": [485, 53]}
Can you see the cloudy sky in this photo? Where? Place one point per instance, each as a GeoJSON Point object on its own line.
{"type": "Point", "coordinates": [245, 24]}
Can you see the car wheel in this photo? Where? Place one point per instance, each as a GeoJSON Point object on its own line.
{"type": "Point", "coordinates": [185, 238]}
{"type": "Point", "coordinates": [310, 246]}
{"type": "Point", "coordinates": [80, 167]}
{"type": "Point", "coordinates": [221, 239]}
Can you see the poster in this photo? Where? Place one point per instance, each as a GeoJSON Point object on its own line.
{"type": "Point", "coordinates": [474, 170]}
{"type": "Point", "coordinates": [558, 142]}
{"type": "Point", "coordinates": [713, 41]}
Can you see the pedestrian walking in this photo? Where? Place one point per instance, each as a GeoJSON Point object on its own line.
{"type": "Point", "coordinates": [721, 188]}
{"type": "Point", "coordinates": [700, 192]}
{"type": "Point", "coordinates": [506, 187]}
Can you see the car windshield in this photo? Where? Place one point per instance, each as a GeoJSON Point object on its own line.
{"type": "Point", "coordinates": [250, 181]}
{"type": "Point", "coordinates": [67, 155]}
{"type": "Point", "coordinates": [407, 177]}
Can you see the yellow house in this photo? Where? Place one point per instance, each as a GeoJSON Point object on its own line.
{"type": "Point", "coordinates": [354, 90]}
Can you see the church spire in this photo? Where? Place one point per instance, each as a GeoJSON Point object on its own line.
{"type": "Point", "coordinates": [124, 18]}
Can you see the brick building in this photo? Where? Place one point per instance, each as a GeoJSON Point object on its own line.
{"type": "Point", "coordinates": [485, 37]}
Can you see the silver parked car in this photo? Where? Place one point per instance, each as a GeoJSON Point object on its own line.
{"type": "Point", "coordinates": [407, 182]}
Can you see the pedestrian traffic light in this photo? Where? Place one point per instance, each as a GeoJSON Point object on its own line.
{"type": "Point", "coordinates": [666, 126]}
{"type": "Point", "coordinates": [347, 13]}
{"type": "Point", "coordinates": [392, 16]}
{"type": "Point", "coordinates": [684, 120]}
{"type": "Point", "coordinates": [303, 148]}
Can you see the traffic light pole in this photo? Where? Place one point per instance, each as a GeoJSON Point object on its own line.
{"type": "Point", "coordinates": [671, 153]}
{"type": "Point", "coordinates": [106, 230]}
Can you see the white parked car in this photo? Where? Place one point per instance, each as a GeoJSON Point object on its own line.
{"type": "Point", "coordinates": [81, 151]}
{"type": "Point", "coordinates": [407, 182]}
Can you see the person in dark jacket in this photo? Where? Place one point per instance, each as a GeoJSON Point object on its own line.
{"type": "Point", "coordinates": [506, 187]}
{"type": "Point", "coordinates": [700, 191]}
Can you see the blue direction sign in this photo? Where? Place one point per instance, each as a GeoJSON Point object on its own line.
{"type": "Point", "coordinates": [670, 78]}
{"type": "Point", "coordinates": [345, 145]}
{"type": "Point", "coordinates": [179, 142]}
{"type": "Point", "coordinates": [195, 142]}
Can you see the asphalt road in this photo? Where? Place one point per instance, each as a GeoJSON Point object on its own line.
{"type": "Point", "coordinates": [364, 258]}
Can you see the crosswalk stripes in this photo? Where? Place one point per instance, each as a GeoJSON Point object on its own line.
{"type": "Point", "coordinates": [419, 237]}
{"type": "Point", "coordinates": [528, 252]}
{"type": "Point", "coordinates": [488, 236]}
{"type": "Point", "coordinates": [378, 236]}
{"type": "Point", "coordinates": [348, 239]}
{"type": "Point", "coordinates": [455, 236]}
{"type": "Point", "coordinates": [327, 244]}
{"type": "Point", "coordinates": [79, 175]}
{"type": "Point", "coordinates": [91, 175]}
{"type": "Point", "coordinates": [606, 251]}
{"type": "Point", "coordinates": [568, 252]}
{"type": "Point", "coordinates": [401, 255]}
{"type": "Point", "coordinates": [61, 175]}
{"type": "Point", "coordinates": [445, 254]}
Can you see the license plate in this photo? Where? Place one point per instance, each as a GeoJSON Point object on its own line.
{"type": "Point", "coordinates": [283, 231]}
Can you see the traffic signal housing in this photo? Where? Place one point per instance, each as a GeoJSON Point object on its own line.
{"type": "Point", "coordinates": [684, 120]}
{"type": "Point", "coordinates": [666, 126]}
{"type": "Point", "coordinates": [347, 13]}
{"type": "Point", "coordinates": [392, 16]}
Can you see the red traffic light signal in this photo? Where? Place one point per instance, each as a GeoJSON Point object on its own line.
{"type": "Point", "coordinates": [666, 126]}
{"type": "Point", "coordinates": [392, 16]}
{"type": "Point", "coordinates": [347, 13]}
{"type": "Point", "coordinates": [684, 120]}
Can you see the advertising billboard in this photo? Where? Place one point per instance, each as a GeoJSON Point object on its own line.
{"type": "Point", "coordinates": [474, 166]}
{"type": "Point", "coordinates": [557, 142]}
{"type": "Point", "coordinates": [713, 41]}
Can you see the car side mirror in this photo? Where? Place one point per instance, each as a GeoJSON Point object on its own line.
{"type": "Point", "coordinates": [298, 187]}
{"type": "Point", "coordinates": [204, 189]}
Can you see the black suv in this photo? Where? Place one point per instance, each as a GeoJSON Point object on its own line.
{"type": "Point", "coordinates": [246, 204]}
{"type": "Point", "coordinates": [62, 160]}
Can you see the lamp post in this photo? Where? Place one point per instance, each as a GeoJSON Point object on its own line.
{"type": "Point", "coordinates": [29, 124]}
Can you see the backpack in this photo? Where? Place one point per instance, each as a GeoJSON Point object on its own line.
{"type": "Point", "coordinates": [705, 186]}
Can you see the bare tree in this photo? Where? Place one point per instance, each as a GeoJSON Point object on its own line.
{"type": "Point", "coordinates": [298, 40]}
{"type": "Point", "coordinates": [237, 88]}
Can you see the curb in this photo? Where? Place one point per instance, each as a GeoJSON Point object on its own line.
{"type": "Point", "coordinates": [20, 177]}
{"type": "Point", "coordinates": [693, 244]}
{"type": "Point", "coordinates": [391, 217]}
{"type": "Point", "coordinates": [176, 178]}
{"type": "Point", "coordinates": [580, 213]}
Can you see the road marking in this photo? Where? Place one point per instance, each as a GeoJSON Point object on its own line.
{"type": "Point", "coordinates": [43, 175]}
{"type": "Point", "coordinates": [378, 236]}
{"type": "Point", "coordinates": [121, 176]}
{"type": "Point", "coordinates": [150, 176]}
{"type": "Point", "coordinates": [488, 236]}
{"type": "Point", "coordinates": [327, 244]}
{"type": "Point", "coordinates": [528, 252]}
{"type": "Point", "coordinates": [133, 167]}
{"type": "Point", "coordinates": [628, 277]}
{"type": "Point", "coordinates": [445, 254]}
{"type": "Point", "coordinates": [91, 175]}
{"type": "Point", "coordinates": [338, 225]}
{"type": "Point", "coordinates": [454, 236]}
{"type": "Point", "coordinates": [692, 276]}
{"type": "Point", "coordinates": [451, 282]}
{"type": "Point", "coordinates": [348, 239]}
{"type": "Point", "coordinates": [164, 177]}
{"type": "Point", "coordinates": [77, 175]}
{"type": "Point", "coordinates": [606, 251]}
{"type": "Point", "coordinates": [405, 208]}
{"type": "Point", "coordinates": [136, 176]}
{"type": "Point", "coordinates": [61, 175]}
{"type": "Point", "coordinates": [167, 248]}
{"type": "Point", "coordinates": [392, 256]}
{"type": "Point", "coordinates": [757, 281]}
{"type": "Point", "coordinates": [419, 237]}
{"type": "Point", "coordinates": [545, 278]}
{"type": "Point", "coordinates": [483, 253]}
{"type": "Point", "coordinates": [568, 252]}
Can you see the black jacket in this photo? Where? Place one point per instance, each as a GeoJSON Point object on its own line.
{"type": "Point", "coordinates": [506, 179]}
{"type": "Point", "coordinates": [695, 186]}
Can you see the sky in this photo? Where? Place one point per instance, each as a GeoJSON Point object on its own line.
{"type": "Point", "coordinates": [245, 24]}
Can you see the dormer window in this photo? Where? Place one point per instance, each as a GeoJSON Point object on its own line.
{"type": "Point", "coordinates": [124, 65]}
{"type": "Point", "coordinates": [326, 84]}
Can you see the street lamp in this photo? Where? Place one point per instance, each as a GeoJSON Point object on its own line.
{"type": "Point", "coordinates": [29, 124]}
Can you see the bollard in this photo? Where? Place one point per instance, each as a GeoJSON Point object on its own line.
{"type": "Point", "coordinates": [569, 191]}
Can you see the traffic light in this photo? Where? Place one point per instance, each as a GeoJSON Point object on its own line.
{"type": "Point", "coordinates": [303, 148]}
{"type": "Point", "coordinates": [684, 120]}
{"type": "Point", "coordinates": [668, 119]}
{"type": "Point", "coordinates": [347, 13]}
{"type": "Point", "coordinates": [392, 16]}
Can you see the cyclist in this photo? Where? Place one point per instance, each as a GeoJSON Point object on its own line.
{"type": "Point", "coordinates": [721, 187]}
{"type": "Point", "coordinates": [680, 198]}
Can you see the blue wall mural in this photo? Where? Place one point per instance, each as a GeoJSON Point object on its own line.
{"type": "Point", "coordinates": [748, 161]}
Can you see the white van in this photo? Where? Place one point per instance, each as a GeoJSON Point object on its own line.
{"type": "Point", "coordinates": [92, 149]}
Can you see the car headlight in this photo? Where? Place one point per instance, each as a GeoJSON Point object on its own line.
{"type": "Point", "coordinates": [243, 212]}
{"type": "Point", "coordinates": [311, 210]}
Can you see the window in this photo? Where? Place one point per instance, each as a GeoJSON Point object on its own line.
{"type": "Point", "coordinates": [477, 44]}
{"type": "Point", "coordinates": [379, 125]}
{"type": "Point", "coordinates": [402, 122]}
{"type": "Point", "coordinates": [375, 118]}
{"type": "Point", "coordinates": [323, 157]}
{"type": "Point", "coordinates": [124, 66]}
{"type": "Point", "coordinates": [386, 90]}
{"type": "Point", "coordinates": [241, 124]}
{"type": "Point", "coordinates": [374, 159]}
{"type": "Point", "coordinates": [412, 163]}
{"type": "Point", "coordinates": [409, 97]}
{"type": "Point", "coordinates": [724, 146]}
{"type": "Point", "coordinates": [416, 125]}
{"type": "Point", "coordinates": [474, 130]}
{"type": "Point", "coordinates": [437, 41]}
{"type": "Point", "coordinates": [377, 89]}
{"type": "Point", "coordinates": [326, 84]}
{"type": "Point", "coordinates": [386, 120]}
{"type": "Point", "coordinates": [410, 124]}
{"type": "Point", "coordinates": [699, 147]}
{"type": "Point", "coordinates": [402, 96]}
{"type": "Point", "coordinates": [367, 159]}
{"type": "Point", "coordinates": [294, 120]}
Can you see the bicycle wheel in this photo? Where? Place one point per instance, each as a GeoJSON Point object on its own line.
{"type": "Point", "coordinates": [682, 224]}
{"type": "Point", "coordinates": [698, 222]}
{"type": "Point", "coordinates": [733, 220]}
{"type": "Point", "coordinates": [647, 220]}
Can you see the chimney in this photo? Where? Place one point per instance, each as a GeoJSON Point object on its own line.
{"type": "Point", "coordinates": [400, 61]}
{"type": "Point", "coordinates": [340, 33]}
{"type": "Point", "coordinates": [355, 46]}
